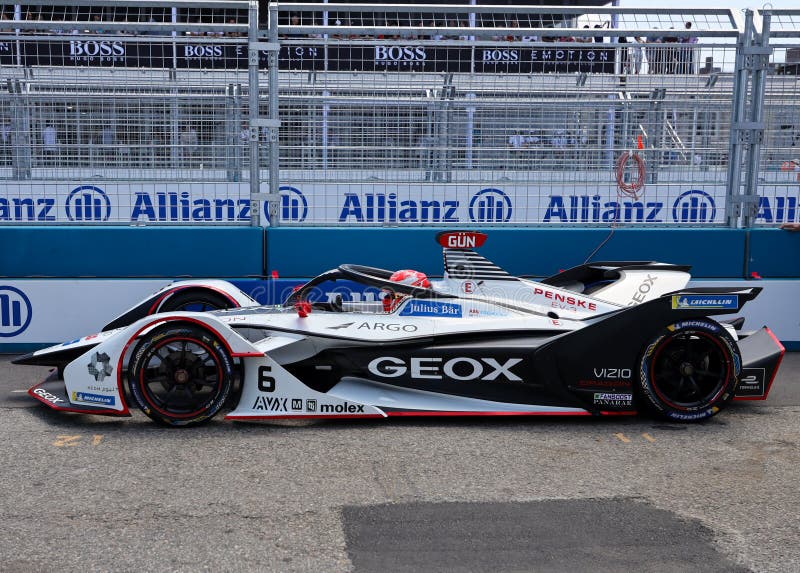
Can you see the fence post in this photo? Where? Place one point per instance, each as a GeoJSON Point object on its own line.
{"type": "Point", "coordinates": [252, 91]}
{"type": "Point", "coordinates": [759, 58]}
{"type": "Point", "coordinates": [740, 80]}
{"type": "Point", "coordinates": [273, 130]}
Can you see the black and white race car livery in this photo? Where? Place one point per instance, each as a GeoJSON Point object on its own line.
{"type": "Point", "coordinates": [606, 338]}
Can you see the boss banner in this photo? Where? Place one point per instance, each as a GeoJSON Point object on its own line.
{"type": "Point", "coordinates": [388, 57]}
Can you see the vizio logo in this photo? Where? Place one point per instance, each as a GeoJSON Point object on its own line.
{"type": "Point", "coordinates": [15, 311]}
{"type": "Point", "coordinates": [694, 206]}
{"type": "Point", "coordinates": [294, 206]}
{"type": "Point", "coordinates": [490, 206]}
{"type": "Point", "coordinates": [88, 203]}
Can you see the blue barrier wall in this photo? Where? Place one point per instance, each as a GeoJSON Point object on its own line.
{"type": "Point", "coordinates": [174, 252]}
{"type": "Point", "coordinates": [298, 252]}
{"type": "Point", "coordinates": [118, 252]}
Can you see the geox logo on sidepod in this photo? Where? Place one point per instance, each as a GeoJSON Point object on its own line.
{"type": "Point", "coordinates": [433, 368]}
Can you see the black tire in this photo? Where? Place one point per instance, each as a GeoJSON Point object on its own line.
{"type": "Point", "coordinates": [195, 301]}
{"type": "Point", "coordinates": [690, 371]}
{"type": "Point", "coordinates": [180, 375]}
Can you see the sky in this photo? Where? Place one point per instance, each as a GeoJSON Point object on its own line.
{"type": "Point", "coordinates": [740, 4]}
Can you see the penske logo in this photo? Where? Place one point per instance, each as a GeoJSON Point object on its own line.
{"type": "Point", "coordinates": [433, 368]}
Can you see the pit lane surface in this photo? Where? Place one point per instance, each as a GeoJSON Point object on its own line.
{"type": "Point", "coordinates": [86, 493]}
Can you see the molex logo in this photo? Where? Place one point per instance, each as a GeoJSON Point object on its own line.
{"type": "Point", "coordinates": [16, 311]}
{"type": "Point", "coordinates": [88, 203]}
{"type": "Point", "coordinates": [294, 206]}
{"type": "Point", "coordinates": [490, 206]}
{"type": "Point", "coordinates": [694, 206]}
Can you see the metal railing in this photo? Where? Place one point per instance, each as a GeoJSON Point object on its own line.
{"type": "Point", "coordinates": [397, 115]}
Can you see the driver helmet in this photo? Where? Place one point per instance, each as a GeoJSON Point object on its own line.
{"type": "Point", "coordinates": [412, 278]}
{"type": "Point", "coordinates": [406, 277]}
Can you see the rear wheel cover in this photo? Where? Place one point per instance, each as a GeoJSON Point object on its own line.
{"type": "Point", "coordinates": [690, 371]}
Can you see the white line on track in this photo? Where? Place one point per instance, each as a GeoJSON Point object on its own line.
{"type": "Point", "coordinates": [19, 391]}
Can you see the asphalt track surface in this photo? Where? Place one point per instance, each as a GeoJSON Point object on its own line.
{"type": "Point", "coordinates": [82, 493]}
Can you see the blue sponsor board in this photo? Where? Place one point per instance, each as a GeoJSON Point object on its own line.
{"type": "Point", "coordinates": [704, 301]}
{"type": "Point", "coordinates": [431, 308]}
{"type": "Point", "coordinates": [93, 398]}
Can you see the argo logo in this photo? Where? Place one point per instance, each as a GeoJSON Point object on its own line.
{"type": "Point", "coordinates": [694, 206]}
{"type": "Point", "coordinates": [88, 203]}
{"type": "Point", "coordinates": [490, 206]}
{"type": "Point", "coordinates": [15, 311]}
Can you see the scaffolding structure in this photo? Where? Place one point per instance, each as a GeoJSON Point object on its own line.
{"type": "Point", "coordinates": [391, 115]}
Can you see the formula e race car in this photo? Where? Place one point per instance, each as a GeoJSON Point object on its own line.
{"type": "Point", "coordinates": [606, 338]}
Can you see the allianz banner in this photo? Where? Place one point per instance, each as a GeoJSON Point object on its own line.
{"type": "Point", "coordinates": [400, 57]}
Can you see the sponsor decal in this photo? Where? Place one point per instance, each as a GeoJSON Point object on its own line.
{"type": "Point", "coordinates": [100, 366]}
{"type": "Point", "coordinates": [752, 382]}
{"type": "Point", "coordinates": [694, 324]}
{"type": "Point", "coordinates": [386, 326]}
{"type": "Point", "coordinates": [270, 404]}
{"type": "Point", "coordinates": [178, 207]}
{"type": "Point", "coordinates": [293, 205]}
{"type": "Point", "coordinates": [87, 203]}
{"type": "Point", "coordinates": [486, 206]}
{"type": "Point", "coordinates": [431, 308]}
{"type": "Point", "coordinates": [702, 301]}
{"type": "Point", "coordinates": [47, 396]}
{"type": "Point", "coordinates": [16, 311]}
{"type": "Point", "coordinates": [345, 408]}
{"type": "Point", "coordinates": [433, 368]}
{"type": "Point", "coordinates": [311, 405]}
{"type": "Point", "coordinates": [599, 384]}
{"type": "Point", "coordinates": [606, 373]}
{"type": "Point", "coordinates": [611, 399]}
{"type": "Point", "coordinates": [469, 287]}
{"type": "Point", "coordinates": [297, 404]}
{"type": "Point", "coordinates": [461, 239]}
{"type": "Point", "coordinates": [341, 326]}
{"type": "Point", "coordinates": [564, 301]}
{"type": "Point", "coordinates": [105, 389]}
{"type": "Point", "coordinates": [641, 291]}
{"type": "Point", "coordinates": [87, 398]}
{"type": "Point", "coordinates": [27, 209]}
{"type": "Point", "coordinates": [694, 206]}
{"type": "Point", "coordinates": [400, 56]}
{"type": "Point", "coordinates": [490, 206]}
{"type": "Point", "coordinates": [96, 51]}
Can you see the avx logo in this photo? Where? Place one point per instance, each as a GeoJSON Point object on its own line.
{"type": "Point", "coordinates": [490, 206]}
{"type": "Point", "coordinates": [694, 206]}
{"type": "Point", "coordinates": [294, 206]}
{"type": "Point", "coordinates": [88, 203]}
{"type": "Point", "coordinates": [15, 311]}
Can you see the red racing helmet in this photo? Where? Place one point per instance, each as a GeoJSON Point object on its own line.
{"type": "Point", "coordinates": [412, 278]}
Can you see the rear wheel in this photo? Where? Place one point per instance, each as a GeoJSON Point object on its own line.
{"type": "Point", "coordinates": [690, 371]}
{"type": "Point", "coordinates": [195, 301]}
{"type": "Point", "coordinates": [180, 375]}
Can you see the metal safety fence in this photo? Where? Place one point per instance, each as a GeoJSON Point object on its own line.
{"type": "Point", "coordinates": [356, 114]}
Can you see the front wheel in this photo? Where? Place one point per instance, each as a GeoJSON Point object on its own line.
{"type": "Point", "coordinates": [690, 371]}
{"type": "Point", "coordinates": [180, 375]}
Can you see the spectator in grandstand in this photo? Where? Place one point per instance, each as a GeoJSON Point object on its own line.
{"type": "Point", "coordinates": [585, 39]}
{"type": "Point", "coordinates": [5, 139]}
{"type": "Point", "coordinates": [108, 140]}
{"type": "Point", "coordinates": [188, 142]}
{"type": "Point", "coordinates": [516, 140]}
{"type": "Point", "coordinates": [636, 54]}
{"type": "Point", "coordinates": [513, 24]}
{"type": "Point", "coordinates": [232, 34]}
{"type": "Point", "coordinates": [686, 54]}
{"type": "Point", "coordinates": [50, 144]}
{"type": "Point", "coordinates": [600, 39]}
{"type": "Point", "coordinates": [655, 56]}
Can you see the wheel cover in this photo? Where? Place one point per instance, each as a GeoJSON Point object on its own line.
{"type": "Point", "coordinates": [690, 370]}
{"type": "Point", "coordinates": [199, 305]}
{"type": "Point", "coordinates": [180, 377]}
